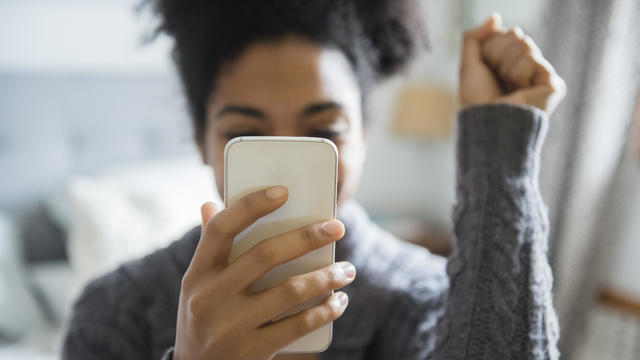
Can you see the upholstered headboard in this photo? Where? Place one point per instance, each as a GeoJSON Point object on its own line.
{"type": "Point", "coordinates": [52, 126]}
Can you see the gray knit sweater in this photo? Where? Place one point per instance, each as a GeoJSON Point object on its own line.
{"type": "Point", "coordinates": [491, 300]}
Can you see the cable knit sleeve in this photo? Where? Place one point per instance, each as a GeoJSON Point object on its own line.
{"type": "Point", "coordinates": [499, 304]}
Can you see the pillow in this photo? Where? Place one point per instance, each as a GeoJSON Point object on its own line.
{"type": "Point", "coordinates": [51, 282]}
{"type": "Point", "coordinates": [19, 311]}
{"type": "Point", "coordinates": [129, 211]}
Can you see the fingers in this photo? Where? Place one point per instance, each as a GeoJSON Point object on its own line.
{"type": "Point", "coordinates": [218, 233]}
{"type": "Point", "coordinates": [520, 72]}
{"type": "Point", "coordinates": [285, 331]}
{"type": "Point", "coordinates": [496, 48]}
{"type": "Point", "coordinates": [244, 212]}
{"type": "Point", "coordinates": [544, 97]}
{"type": "Point", "coordinates": [300, 289]}
{"type": "Point", "coordinates": [516, 59]}
{"type": "Point", "coordinates": [279, 249]}
{"type": "Point", "coordinates": [492, 26]}
{"type": "Point", "coordinates": [207, 211]}
{"type": "Point", "coordinates": [472, 47]}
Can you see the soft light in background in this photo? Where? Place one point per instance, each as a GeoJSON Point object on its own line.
{"type": "Point", "coordinates": [97, 164]}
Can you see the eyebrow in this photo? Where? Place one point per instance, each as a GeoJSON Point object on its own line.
{"type": "Point", "coordinates": [320, 107]}
{"type": "Point", "coordinates": [242, 110]}
{"type": "Point", "coordinates": [259, 114]}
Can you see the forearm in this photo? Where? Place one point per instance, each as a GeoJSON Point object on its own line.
{"type": "Point", "coordinates": [499, 304]}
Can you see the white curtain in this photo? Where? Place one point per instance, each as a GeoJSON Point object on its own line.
{"type": "Point", "coordinates": [594, 45]}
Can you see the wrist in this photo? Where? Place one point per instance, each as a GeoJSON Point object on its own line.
{"type": "Point", "coordinates": [502, 140]}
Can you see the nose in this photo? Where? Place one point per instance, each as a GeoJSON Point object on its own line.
{"type": "Point", "coordinates": [287, 130]}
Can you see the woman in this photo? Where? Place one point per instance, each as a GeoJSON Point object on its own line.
{"type": "Point", "coordinates": [305, 68]}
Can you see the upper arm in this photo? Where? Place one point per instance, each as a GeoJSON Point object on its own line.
{"type": "Point", "coordinates": [106, 324]}
{"type": "Point", "coordinates": [93, 341]}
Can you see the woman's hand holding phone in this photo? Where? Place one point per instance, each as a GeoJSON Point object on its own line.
{"type": "Point", "coordinates": [219, 317]}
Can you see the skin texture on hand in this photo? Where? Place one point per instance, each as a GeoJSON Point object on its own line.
{"type": "Point", "coordinates": [506, 66]}
{"type": "Point", "coordinates": [218, 316]}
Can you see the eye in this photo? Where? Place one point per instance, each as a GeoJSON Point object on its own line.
{"type": "Point", "coordinates": [327, 134]}
{"type": "Point", "coordinates": [231, 135]}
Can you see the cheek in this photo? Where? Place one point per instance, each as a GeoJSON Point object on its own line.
{"type": "Point", "coordinates": [219, 175]}
{"type": "Point", "coordinates": [218, 168]}
{"type": "Point", "coordinates": [215, 159]}
{"type": "Point", "coordinates": [351, 160]}
{"type": "Point", "coordinates": [343, 170]}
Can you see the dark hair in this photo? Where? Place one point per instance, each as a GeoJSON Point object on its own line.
{"type": "Point", "coordinates": [379, 37]}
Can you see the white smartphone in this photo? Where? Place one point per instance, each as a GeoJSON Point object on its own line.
{"type": "Point", "coordinates": [308, 167]}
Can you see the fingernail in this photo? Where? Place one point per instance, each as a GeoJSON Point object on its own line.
{"type": "Point", "coordinates": [348, 269]}
{"type": "Point", "coordinates": [332, 227]}
{"type": "Point", "coordinates": [276, 192]}
{"type": "Point", "coordinates": [339, 300]}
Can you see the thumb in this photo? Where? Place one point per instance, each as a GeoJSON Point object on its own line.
{"type": "Point", "coordinates": [538, 96]}
{"type": "Point", "coordinates": [472, 47]}
{"type": "Point", "coordinates": [207, 211]}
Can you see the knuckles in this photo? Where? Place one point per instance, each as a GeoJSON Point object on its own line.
{"type": "Point", "coordinates": [220, 335]}
{"type": "Point", "coordinates": [196, 307]}
{"type": "Point", "coordinates": [334, 277]}
{"type": "Point", "coordinates": [187, 281]}
{"type": "Point", "coordinates": [217, 228]}
{"type": "Point", "coordinates": [299, 289]}
{"type": "Point", "coordinates": [514, 34]}
{"type": "Point", "coordinates": [265, 254]}
{"type": "Point", "coordinates": [522, 47]}
{"type": "Point", "coordinates": [251, 202]}
{"type": "Point", "coordinates": [201, 295]}
{"type": "Point", "coordinates": [558, 85]}
{"type": "Point", "coordinates": [295, 290]}
{"type": "Point", "coordinates": [306, 323]}
{"type": "Point", "coordinates": [309, 234]}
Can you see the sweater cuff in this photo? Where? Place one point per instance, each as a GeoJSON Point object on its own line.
{"type": "Point", "coordinates": [500, 140]}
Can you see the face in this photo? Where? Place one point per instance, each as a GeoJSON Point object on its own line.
{"type": "Point", "coordinates": [289, 87]}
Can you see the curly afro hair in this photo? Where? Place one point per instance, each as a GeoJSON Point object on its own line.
{"type": "Point", "coordinates": [378, 37]}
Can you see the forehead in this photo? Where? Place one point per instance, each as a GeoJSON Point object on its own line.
{"type": "Point", "coordinates": [288, 73]}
